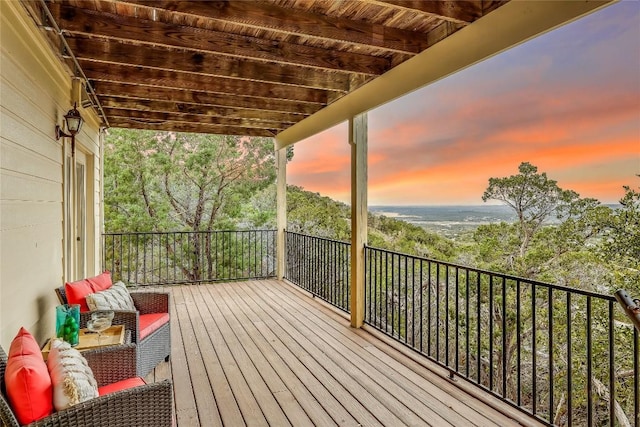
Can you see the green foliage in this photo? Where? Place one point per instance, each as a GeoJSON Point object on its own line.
{"type": "Point", "coordinates": [311, 213]}
{"type": "Point", "coordinates": [620, 246]}
{"type": "Point", "coordinates": [182, 181]}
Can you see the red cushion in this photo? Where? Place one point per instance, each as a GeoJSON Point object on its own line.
{"type": "Point", "coordinates": [120, 385]}
{"type": "Point", "coordinates": [151, 322]}
{"type": "Point", "coordinates": [77, 291]}
{"type": "Point", "coordinates": [27, 380]}
{"type": "Point", "coordinates": [101, 282]}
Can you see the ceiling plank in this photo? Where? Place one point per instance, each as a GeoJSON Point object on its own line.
{"type": "Point", "coordinates": [154, 116]}
{"type": "Point", "coordinates": [298, 109]}
{"type": "Point", "coordinates": [82, 21]}
{"type": "Point", "coordinates": [187, 127]}
{"type": "Point", "coordinates": [298, 22]}
{"type": "Point", "coordinates": [206, 63]}
{"type": "Point", "coordinates": [458, 11]}
{"type": "Point", "coordinates": [177, 107]}
{"type": "Point", "coordinates": [189, 81]}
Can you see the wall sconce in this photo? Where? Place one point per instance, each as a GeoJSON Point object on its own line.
{"type": "Point", "coordinates": [73, 120]}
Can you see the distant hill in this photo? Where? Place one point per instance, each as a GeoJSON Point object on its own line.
{"type": "Point", "coordinates": [317, 215]}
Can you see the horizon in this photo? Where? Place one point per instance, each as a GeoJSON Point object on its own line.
{"type": "Point", "coordinates": [567, 102]}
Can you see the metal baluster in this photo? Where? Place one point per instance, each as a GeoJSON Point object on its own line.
{"type": "Point", "coordinates": [534, 369]}
{"type": "Point", "coordinates": [467, 322]}
{"type": "Point", "coordinates": [589, 365]}
{"type": "Point", "coordinates": [518, 346]}
{"type": "Point", "coordinates": [504, 336]}
{"type": "Point", "coordinates": [569, 364]}
{"type": "Point", "coordinates": [550, 313]}
{"type": "Point", "coordinates": [491, 337]}
{"type": "Point", "coordinates": [612, 370]}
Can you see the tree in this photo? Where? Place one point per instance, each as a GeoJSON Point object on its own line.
{"type": "Point", "coordinates": [166, 181]}
{"type": "Point", "coordinates": [181, 181]}
{"type": "Point", "coordinates": [537, 201]}
{"type": "Point", "coordinates": [620, 246]}
{"type": "Point", "coordinates": [534, 198]}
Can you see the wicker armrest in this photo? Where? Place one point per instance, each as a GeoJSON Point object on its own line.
{"type": "Point", "coordinates": [151, 302]}
{"type": "Point", "coordinates": [147, 405]}
{"type": "Point", "coordinates": [112, 364]}
{"type": "Point", "coordinates": [129, 319]}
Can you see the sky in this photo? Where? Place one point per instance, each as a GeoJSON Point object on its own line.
{"type": "Point", "coordinates": [568, 102]}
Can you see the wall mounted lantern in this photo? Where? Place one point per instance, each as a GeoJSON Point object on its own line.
{"type": "Point", "coordinates": [73, 120]}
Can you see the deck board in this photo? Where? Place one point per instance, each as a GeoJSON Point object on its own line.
{"type": "Point", "coordinates": [265, 353]}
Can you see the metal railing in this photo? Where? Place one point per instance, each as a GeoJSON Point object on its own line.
{"type": "Point", "coordinates": [320, 266]}
{"type": "Point", "coordinates": [154, 258]}
{"type": "Point", "coordinates": [563, 355]}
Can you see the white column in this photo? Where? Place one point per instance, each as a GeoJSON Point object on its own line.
{"type": "Point", "coordinates": [358, 142]}
{"type": "Point", "coordinates": [281, 208]}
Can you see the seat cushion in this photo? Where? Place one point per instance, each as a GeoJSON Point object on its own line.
{"type": "Point", "coordinates": [71, 376]}
{"type": "Point", "coordinates": [77, 291]}
{"type": "Point", "coordinates": [121, 385]}
{"type": "Point", "coordinates": [27, 380]}
{"type": "Point", "coordinates": [150, 323]}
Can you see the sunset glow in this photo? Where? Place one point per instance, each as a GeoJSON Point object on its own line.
{"type": "Point", "coordinates": [567, 102]}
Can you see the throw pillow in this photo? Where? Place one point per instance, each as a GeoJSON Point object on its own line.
{"type": "Point", "coordinates": [77, 291]}
{"type": "Point", "coordinates": [71, 376]}
{"type": "Point", "coordinates": [26, 380]}
{"type": "Point", "coordinates": [100, 282]}
{"type": "Point", "coordinates": [115, 298]}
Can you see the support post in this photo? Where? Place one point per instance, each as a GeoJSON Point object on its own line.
{"type": "Point", "coordinates": [281, 209]}
{"type": "Point", "coordinates": [358, 143]}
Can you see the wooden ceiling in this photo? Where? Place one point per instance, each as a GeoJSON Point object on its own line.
{"type": "Point", "coordinates": [239, 67]}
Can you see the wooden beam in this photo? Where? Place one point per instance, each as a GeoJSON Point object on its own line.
{"type": "Point", "coordinates": [458, 11]}
{"type": "Point", "coordinates": [155, 116]}
{"type": "Point", "coordinates": [112, 51]}
{"type": "Point", "coordinates": [506, 27]}
{"type": "Point", "coordinates": [204, 110]}
{"type": "Point", "coordinates": [189, 127]}
{"type": "Point", "coordinates": [295, 110]}
{"type": "Point", "coordinates": [358, 142]}
{"type": "Point", "coordinates": [281, 209]}
{"type": "Point", "coordinates": [190, 81]}
{"type": "Point", "coordinates": [298, 22]}
{"type": "Point", "coordinates": [88, 22]}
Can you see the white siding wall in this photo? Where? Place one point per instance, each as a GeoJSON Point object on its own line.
{"type": "Point", "coordinates": [35, 92]}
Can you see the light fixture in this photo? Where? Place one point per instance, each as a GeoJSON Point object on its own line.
{"type": "Point", "coordinates": [73, 120]}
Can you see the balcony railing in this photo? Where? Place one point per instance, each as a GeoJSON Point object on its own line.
{"type": "Point", "coordinates": [565, 356]}
{"type": "Point", "coordinates": [154, 258]}
{"type": "Point", "coordinates": [320, 266]}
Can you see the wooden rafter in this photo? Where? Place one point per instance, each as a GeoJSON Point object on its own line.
{"type": "Point", "coordinates": [87, 22]}
{"type": "Point", "coordinates": [206, 63]}
{"type": "Point", "coordinates": [198, 98]}
{"type": "Point", "coordinates": [235, 66]}
{"type": "Point", "coordinates": [297, 22]}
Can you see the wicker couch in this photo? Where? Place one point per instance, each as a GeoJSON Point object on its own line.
{"type": "Point", "coordinates": [153, 348]}
{"type": "Point", "coordinates": [146, 405]}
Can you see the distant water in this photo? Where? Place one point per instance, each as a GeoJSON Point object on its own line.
{"type": "Point", "coordinates": [453, 220]}
{"type": "Point", "coordinates": [448, 220]}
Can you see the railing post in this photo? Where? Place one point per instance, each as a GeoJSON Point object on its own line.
{"type": "Point", "coordinates": [281, 209]}
{"type": "Point", "coordinates": [358, 142]}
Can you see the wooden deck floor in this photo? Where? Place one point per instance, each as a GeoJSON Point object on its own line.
{"type": "Point", "coordinates": [263, 353]}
